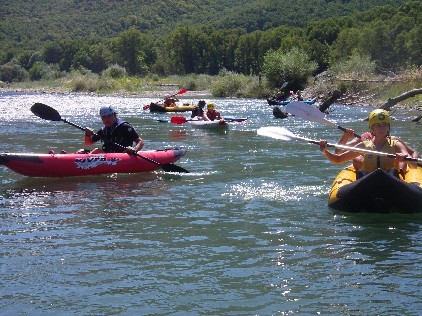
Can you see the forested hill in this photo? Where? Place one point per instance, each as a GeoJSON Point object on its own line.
{"type": "Point", "coordinates": [26, 24]}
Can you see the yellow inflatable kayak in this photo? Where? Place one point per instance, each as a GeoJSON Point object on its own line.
{"type": "Point", "coordinates": [377, 192]}
{"type": "Point", "coordinates": [154, 107]}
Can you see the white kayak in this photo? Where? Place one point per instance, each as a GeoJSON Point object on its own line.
{"type": "Point", "coordinates": [210, 125]}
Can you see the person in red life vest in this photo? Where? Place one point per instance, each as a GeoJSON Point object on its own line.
{"type": "Point", "coordinates": [379, 126]}
{"type": "Point", "coordinates": [117, 135]}
{"type": "Point", "coordinates": [198, 111]}
{"type": "Point", "coordinates": [169, 101]}
{"type": "Point", "coordinates": [212, 114]}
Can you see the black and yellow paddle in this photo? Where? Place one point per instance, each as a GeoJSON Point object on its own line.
{"type": "Point", "coordinates": [48, 113]}
{"type": "Point", "coordinates": [282, 133]}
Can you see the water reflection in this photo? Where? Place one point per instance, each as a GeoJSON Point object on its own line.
{"type": "Point", "coordinates": [79, 192]}
{"type": "Point", "coordinates": [382, 239]}
{"type": "Point", "coordinates": [178, 135]}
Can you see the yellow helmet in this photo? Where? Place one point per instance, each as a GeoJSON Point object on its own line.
{"type": "Point", "coordinates": [379, 116]}
{"type": "Point", "coordinates": [210, 106]}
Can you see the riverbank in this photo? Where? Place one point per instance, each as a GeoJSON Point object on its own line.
{"type": "Point", "coordinates": [353, 92]}
{"type": "Point", "coordinates": [374, 92]}
{"type": "Point", "coordinates": [142, 94]}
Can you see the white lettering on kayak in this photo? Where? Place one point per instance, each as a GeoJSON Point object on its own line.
{"type": "Point", "coordinates": [93, 162]}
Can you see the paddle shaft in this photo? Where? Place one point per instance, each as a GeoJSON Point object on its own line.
{"type": "Point", "coordinates": [344, 130]}
{"type": "Point", "coordinates": [356, 149]}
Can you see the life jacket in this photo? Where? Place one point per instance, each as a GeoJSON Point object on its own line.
{"type": "Point", "coordinates": [111, 135]}
{"type": "Point", "coordinates": [213, 115]}
{"type": "Point", "coordinates": [373, 162]}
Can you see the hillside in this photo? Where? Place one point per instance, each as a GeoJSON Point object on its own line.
{"type": "Point", "coordinates": [27, 24]}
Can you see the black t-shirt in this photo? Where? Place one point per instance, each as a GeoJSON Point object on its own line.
{"type": "Point", "coordinates": [121, 133]}
{"type": "Point", "coordinates": [197, 111]}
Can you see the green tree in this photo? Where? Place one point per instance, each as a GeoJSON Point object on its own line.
{"type": "Point", "coordinates": [52, 52]}
{"type": "Point", "coordinates": [12, 71]}
{"type": "Point", "coordinates": [69, 50]}
{"type": "Point", "coordinates": [134, 51]}
{"type": "Point", "coordinates": [348, 40]}
{"type": "Point", "coordinates": [227, 52]}
{"type": "Point", "coordinates": [324, 31]}
{"type": "Point", "coordinates": [186, 47]}
{"type": "Point", "coordinates": [294, 66]}
{"type": "Point", "coordinates": [356, 66]}
{"type": "Point", "coordinates": [249, 57]}
{"type": "Point", "coordinates": [90, 57]}
{"type": "Point", "coordinates": [412, 46]}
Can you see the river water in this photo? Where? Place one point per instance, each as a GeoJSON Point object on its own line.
{"type": "Point", "coordinates": [247, 232]}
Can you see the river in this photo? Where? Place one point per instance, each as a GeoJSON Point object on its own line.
{"type": "Point", "coordinates": [246, 232]}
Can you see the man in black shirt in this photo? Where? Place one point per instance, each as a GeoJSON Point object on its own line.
{"type": "Point", "coordinates": [117, 135]}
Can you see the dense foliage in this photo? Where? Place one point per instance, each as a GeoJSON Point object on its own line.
{"type": "Point", "coordinates": [43, 39]}
{"type": "Point", "coordinates": [26, 24]}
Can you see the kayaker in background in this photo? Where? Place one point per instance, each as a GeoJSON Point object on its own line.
{"type": "Point", "coordinates": [169, 101]}
{"type": "Point", "coordinates": [299, 96]}
{"type": "Point", "coordinates": [115, 132]}
{"type": "Point", "coordinates": [198, 111]}
{"type": "Point", "coordinates": [379, 126]}
{"type": "Point", "coordinates": [212, 114]}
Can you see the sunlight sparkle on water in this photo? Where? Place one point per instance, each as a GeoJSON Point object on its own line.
{"type": "Point", "coordinates": [273, 191]}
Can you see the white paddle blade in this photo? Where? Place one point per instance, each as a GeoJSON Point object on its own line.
{"type": "Point", "coordinates": [276, 132]}
{"type": "Point", "coordinates": [307, 112]}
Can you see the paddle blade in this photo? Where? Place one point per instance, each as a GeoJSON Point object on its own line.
{"type": "Point", "coordinates": [235, 119]}
{"type": "Point", "coordinates": [45, 112]}
{"type": "Point", "coordinates": [276, 132]}
{"type": "Point", "coordinates": [178, 120]}
{"type": "Point", "coordinates": [146, 107]}
{"type": "Point", "coordinates": [307, 112]}
{"type": "Point", "coordinates": [168, 167]}
{"type": "Point", "coordinates": [182, 91]}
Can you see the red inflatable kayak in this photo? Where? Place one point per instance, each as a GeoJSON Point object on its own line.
{"type": "Point", "coordinates": [71, 165]}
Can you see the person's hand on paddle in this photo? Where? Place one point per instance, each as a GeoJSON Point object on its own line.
{"type": "Point", "coordinates": [134, 150]}
{"type": "Point", "coordinates": [88, 131]}
{"type": "Point", "coordinates": [88, 136]}
{"type": "Point", "coordinates": [349, 133]}
{"type": "Point", "coordinates": [323, 145]}
{"type": "Point", "coordinates": [130, 150]}
{"type": "Point", "coordinates": [400, 157]}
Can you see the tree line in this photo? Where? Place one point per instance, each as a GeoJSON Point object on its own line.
{"type": "Point", "coordinates": [390, 36]}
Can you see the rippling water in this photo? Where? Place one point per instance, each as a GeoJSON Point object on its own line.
{"type": "Point", "coordinates": [247, 232]}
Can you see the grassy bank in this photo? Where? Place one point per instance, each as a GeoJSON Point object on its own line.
{"type": "Point", "coordinates": [374, 89]}
{"type": "Point", "coordinates": [224, 85]}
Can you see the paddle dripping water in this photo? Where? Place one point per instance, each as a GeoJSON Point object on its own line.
{"type": "Point", "coordinates": [247, 231]}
